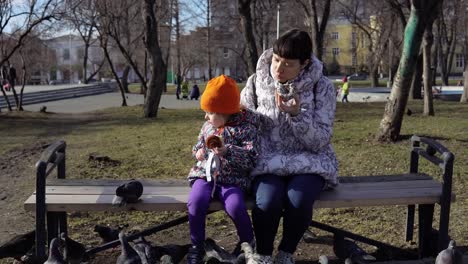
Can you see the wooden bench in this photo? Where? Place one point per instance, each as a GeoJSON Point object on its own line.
{"type": "Point", "coordinates": [53, 200]}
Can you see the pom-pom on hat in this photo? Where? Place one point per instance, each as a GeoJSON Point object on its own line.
{"type": "Point", "coordinates": [221, 96]}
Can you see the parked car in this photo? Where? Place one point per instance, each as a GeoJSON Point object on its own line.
{"type": "Point", "coordinates": [358, 76]}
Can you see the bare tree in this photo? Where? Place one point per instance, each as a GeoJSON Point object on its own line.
{"type": "Point", "coordinates": [422, 12]}
{"type": "Point", "coordinates": [244, 7]}
{"type": "Point", "coordinates": [317, 22]}
{"type": "Point", "coordinates": [32, 14]}
{"type": "Point", "coordinates": [428, 40]}
{"type": "Point", "coordinates": [446, 37]}
{"type": "Point", "coordinates": [83, 15]}
{"type": "Point", "coordinates": [464, 97]}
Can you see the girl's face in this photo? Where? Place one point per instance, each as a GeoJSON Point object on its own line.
{"type": "Point", "coordinates": [215, 119]}
{"type": "Point", "coordinates": [284, 70]}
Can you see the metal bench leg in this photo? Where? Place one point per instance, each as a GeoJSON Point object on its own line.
{"type": "Point", "coordinates": [52, 226]}
{"type": "Point", "coordinates": [426, 213]}
{"type": "Point", "coordinates": [410, 223]}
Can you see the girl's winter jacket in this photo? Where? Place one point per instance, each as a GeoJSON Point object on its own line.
{"type": "Point", "coordinates": [240, 138]}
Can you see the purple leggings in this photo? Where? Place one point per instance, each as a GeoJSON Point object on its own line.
{"type": "Point", "coordinates": [232, 199]}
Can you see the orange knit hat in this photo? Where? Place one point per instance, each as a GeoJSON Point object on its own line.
{"type": "Point", "coordinates": [221, 96]}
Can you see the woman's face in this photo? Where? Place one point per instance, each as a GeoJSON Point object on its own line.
{"type": "Point", "coordinates": [284, 70]}
{"type": "Point", "coordinates": [215, 119]}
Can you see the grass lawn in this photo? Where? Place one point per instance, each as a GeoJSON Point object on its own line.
{"type": "Point", "coordinates": [161, 148]}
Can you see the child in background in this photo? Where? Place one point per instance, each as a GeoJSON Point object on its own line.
{"type": "Point", "coordinates": [235, 154]}
{"type": "Point", "coordinates": [345, 90]}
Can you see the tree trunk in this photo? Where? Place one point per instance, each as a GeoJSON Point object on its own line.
{"type": "Point", "coordinates": [125, 73]}
{"type": "Point", "coordinates": [427, 45]}
{"type": "Point", "coordinates": [416, 87]}
{"type": "Point", "coordinates": [390, 126]}
{"type": "Point", "coordinates": [246, 20]}
{"type": "Point", "coordinates": [318, 31]}
{"type": "Point", "coordinates": [23, 81]}
{"type": "Point", "coordinates": [157, 66]}
{"type": "Point", "coordinates": [464, 97]}
{"type": "Point", "coordinates": [85, 63]}
{"type": "Point", "coordinates": [208, 37]}
{"type": "Point", "coordinates": [111, 66]}
{"type": "Point", "coordinates": [374, 76]}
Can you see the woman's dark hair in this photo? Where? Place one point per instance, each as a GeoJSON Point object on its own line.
{"type": "Point", "coordinates": [294, 44]}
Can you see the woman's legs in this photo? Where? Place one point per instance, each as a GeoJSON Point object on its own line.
{"type": "Point", "coordinates": [269, 194]}
{"type": "Point", "coordinates": [302, 191]}
{"type": "Point", "coordinates": [198, 203]}
{"type": "Point", "coordinates": [232, 198]}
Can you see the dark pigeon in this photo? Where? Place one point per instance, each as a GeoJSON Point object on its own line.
{"type": "Point", "coordinates": [18, 246]}
{"type": "Point", "coordinates": [129, 192]}
{"type": "Point", "coordinates": [345, 248]}
{"type": "Point", "coordinates": [176, 252]}
{"type": "Point", "coordinates": [145, 251]}
{"type": "Point", "coordinates": [55, 257]}
{"type": "Point", "coordinates": [213, 251]}
{"type": "Point", "coordinates": [450, 255]}
{"type": "Point", "coordinates": [128, 254]}
{"type": "Point", "coordinates": [106, 233]}
{"type": "Point", "coordinates": [73, 252]}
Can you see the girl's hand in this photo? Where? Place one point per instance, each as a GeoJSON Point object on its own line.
{"type": "Point", "coordinates": [292, 106]}
{"type": "Point", "coordinates": [220, 151]}
{"type": "Point", "coordinates": [200, 155]}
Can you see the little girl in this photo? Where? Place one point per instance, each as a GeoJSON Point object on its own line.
{"type": "Point", "coordinates": [221, 172]}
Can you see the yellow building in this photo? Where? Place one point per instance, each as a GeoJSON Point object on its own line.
{"type": "Point", "coordinates": [344, 47]}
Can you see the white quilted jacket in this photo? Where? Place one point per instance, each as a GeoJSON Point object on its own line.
{"type": "Point", "coordinates": [299, 144]}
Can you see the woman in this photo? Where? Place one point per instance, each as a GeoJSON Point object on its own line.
{"type": "Point", "coordinates": [296, 160]}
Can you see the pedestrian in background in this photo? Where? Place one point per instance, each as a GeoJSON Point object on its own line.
{"type": "Point", "coordinates": [345, 90]}
{"type": "Point", "coordinates": [195, 92]}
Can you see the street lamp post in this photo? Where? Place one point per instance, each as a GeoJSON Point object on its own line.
{"type": "Point", "coordinates": [277, 21]}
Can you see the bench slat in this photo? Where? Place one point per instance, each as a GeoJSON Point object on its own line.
{"type": "Point", "coordinates": [178, 189]}
{"type": "Point", "coordinates": [332, 199]}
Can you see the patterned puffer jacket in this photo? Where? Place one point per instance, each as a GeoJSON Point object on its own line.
{"type": "Point", "coordinates": [240, 138]}
{"type": "Point", "coordinates": [294, 144]}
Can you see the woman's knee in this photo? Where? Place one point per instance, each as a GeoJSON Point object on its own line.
{"type": "Point", "coordinates": [269, 193]}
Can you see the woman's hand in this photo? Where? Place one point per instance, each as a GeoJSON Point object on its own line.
{"type": "Point", "coordinates": [220, 151]}
{"type": "Point", "coordinates": [200, 155]}
{"type": "Point", "coordinates": [292, 106]}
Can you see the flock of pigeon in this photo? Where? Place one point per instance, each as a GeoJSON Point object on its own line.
{"type": "Point", "coordinates": [66, 250]}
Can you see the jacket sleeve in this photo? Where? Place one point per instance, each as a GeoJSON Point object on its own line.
{"type": "Point", "coordinates": [247, 95]}
{"type": "Point", "coordinates": [314, 125]}
{"type": "Point", "coordinates": [200, 142]}
{"type": "Point", "coordinates": [242, 156]}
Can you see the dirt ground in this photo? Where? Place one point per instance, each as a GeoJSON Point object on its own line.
{"type": "Point", "coordinates": [17, 182]}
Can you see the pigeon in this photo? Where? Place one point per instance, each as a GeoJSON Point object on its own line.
{"type": "Point", "coordinates": [108, 234]}
{"type": "Point", "coordinates": [213, 251]}
{"type": "Point", "coordinates": [73, 251]}
{"type": "Point", "coordinates": [129, 192]}
{"type": "Point", "coordinates": [18, 246]}
{"type": "Point", "coordinates": [309, 237]}
{"type": "Point", "coordinates": [248, 251]}
{"type": "Point", "coordinates": [345, 248]}
{"type": "Point", "coordinates": [450, 255]}
{"type": "Point", "coordinates": [145, 251]}
{"type": "Point", "coordinates": [176, 252]}
{"type": "Point", "coordinates": [128, 254]}
{"type": "Point", "coordinates": [166, 259]}
{"type": "Point", "coordinates": [323, 259]}
{"type": "Point", "coordinates": [55, 257]}
{"type": "Point", "coordinates": [409, 112]}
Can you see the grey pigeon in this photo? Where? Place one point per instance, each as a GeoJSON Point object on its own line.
{"type": "Point", "coordinates": [73, 252]}
{"type": "Point", "coordinates": [345, 248]}
{"type": "Point", "coordinates": [18, 246]}
{"type": "Point", "coordinates": [213, 251]}
{"type": "Point", "coordinates": [128, 254]}
{"type": "Point", "coordinates": [248, 251]}
{"type": "Point", "coordinates": [450, 255]}
{"type": "Point", "coordinates": [166, 259]}
{"type": "Point", "coordinates": [145, 251]}
{"type": "Point", "coordinates": [129, 192]}
{"type": "Point", "coordinates": [323, 259]}
{"type": "Point", "coordinates": [55, 257]}
{"type": "Point", "coordinates": [176, 252]}
{"type": "Point", "coordinates": [309, 237]}
{"type": "Point", "coordinates": [108, 234]}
